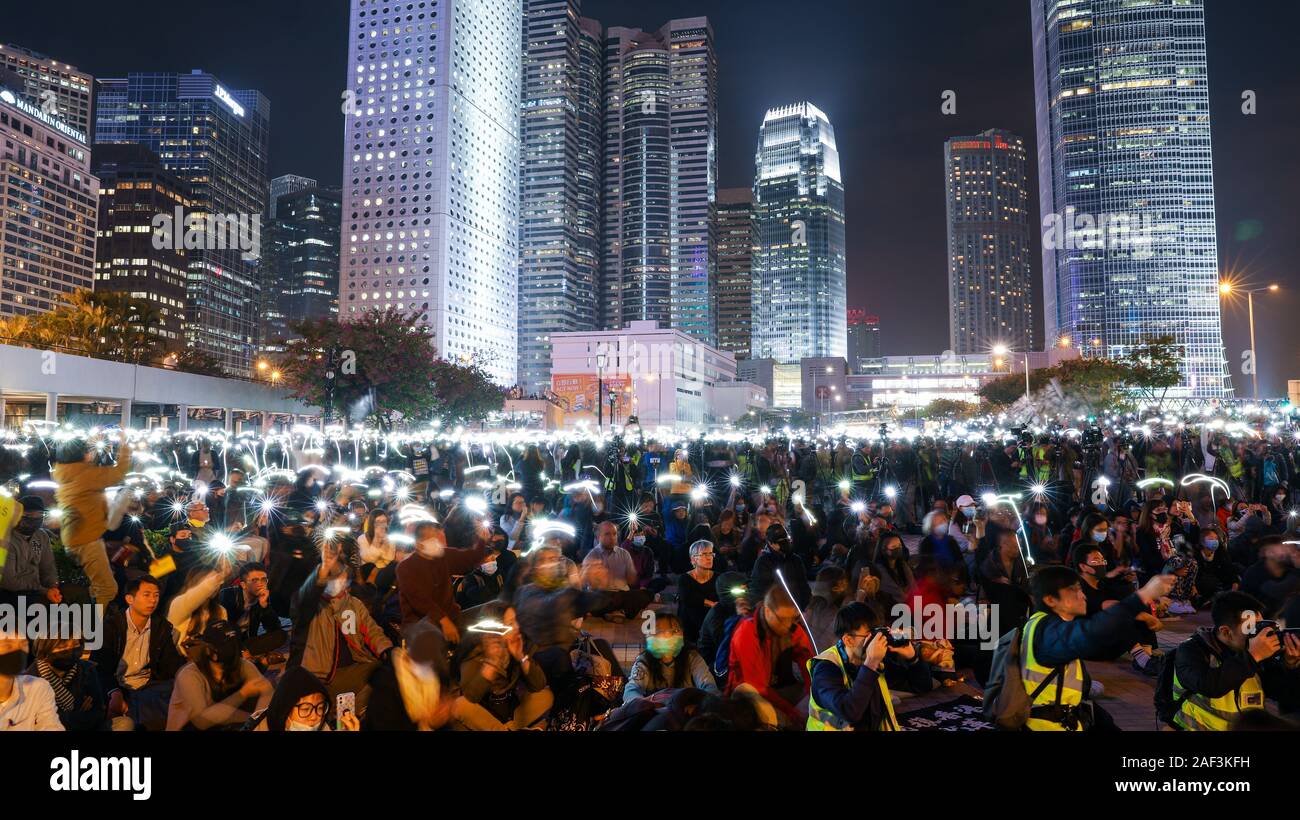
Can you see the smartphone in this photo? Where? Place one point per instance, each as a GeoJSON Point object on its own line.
{"type": "Point", "coordinates": [344, 704]}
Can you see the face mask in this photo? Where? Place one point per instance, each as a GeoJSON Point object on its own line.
{"type": "Point", "coordinates": [183, 543]}
{"type": "Point", "coordinates": [1098, 537]}
{"type": "Point", "coordinates": [1160, 518]}
{"type": "Point", "coordinates": [940, 530]}
{"type": "Point", "coordinates": [429, 548]}
{"type": "Point", "coordinates": [336, 587]}
{"type": "Point", "coordinates": [198, 525]}
{"type": "Point", "coordinates": [1040, 520]}
{"type": "Point", "coordinates": [63, 661]}
{"type": "Point", "coordinates": [1211, 544]}
{"type": "Point", "coordinates": [295, 726]}
{"type": "Point", "coordinates": [639, 540]}
{"type": "Point", "coordinates": [969, 512]}
{"type": "Point", "coordinates": [27, 526]}
{"type": "Point", "coordinates": [490, 568]}
{"type": "Point", "coordinates": [665, 649]}
{"type": "Point", "coordinates": [12, 664]}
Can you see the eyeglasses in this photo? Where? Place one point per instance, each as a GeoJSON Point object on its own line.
{"type": "Point", "coordinates": [306, 710]}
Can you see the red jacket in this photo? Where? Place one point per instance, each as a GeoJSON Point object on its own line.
{"type": "Point", "coordinates": [750, 661]}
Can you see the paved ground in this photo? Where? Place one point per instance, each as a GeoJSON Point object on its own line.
{"type": "Point", "coordinates": [1127, 696]}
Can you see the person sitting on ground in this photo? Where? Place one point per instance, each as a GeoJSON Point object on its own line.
{"type": "Point", "coordinates": [344, 659]}
{"type": "Point", "coordinates": [732, 607]}
{"type": "Point", "coordinates": [218, 688]}
{"type": "Point", "coordinates": [850, 691]}
{"type": "Point", "coordinates": [768, 656]}
{"type": "Point", "coordinates": [1103, 591]}
{"type": "Point", "coordinates": [412, 694]}
{"type": "Point", "coordinates": [697, 591]}
{"type": "Point", "coordinates": [248, 606]}
{"type": "Point", "coordinates": [424, 580]}
{"type": "Point", "coordinates": [501, 687]}
{"type": "Point", "coordinates": [776, 557]}
{"type": "Point", "coordinates": [667, 663]}
{"type": "Point", "coordinates": [138, 659]}
{"type": "Point", "coordinates": [28, 570]}
{"type": "Point", "coordinates": [829, 593]}
{"type": "Point", "coordinates": [27, 702]}
{"type": "Point", "coordinates": [76, 686]}
{"type": "Point", "coordinates": [1231, 667]}
{"type": "Point", "coordinates": [623, 599]}
{"type": "Point", "coordinates": [301, 703]}
{"type": "Point", "coordinates": [1275, 576]}
{"type": "Point", "coordinates": [1215, 572]}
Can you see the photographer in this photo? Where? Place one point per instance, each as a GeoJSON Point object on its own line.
{"type": "Point", "coordinates": [1230, 667]}
{"type": "Point", "coordinates": [82, 481]}
{"type": "Point", "coordinates": [849, 691]}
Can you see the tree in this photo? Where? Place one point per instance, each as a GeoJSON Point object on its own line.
{"type": "Point", "coordinates": [384, 367]}
{"type": "Point", "coordinates": [101, 325]}
{"type": "Point", "coordinates": [947, 408]}
{"type": "Point", "coordinates": [193, 360]}
{"type": "Point", "coordinates": [1154, 366]}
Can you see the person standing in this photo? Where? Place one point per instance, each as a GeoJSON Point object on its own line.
{"type": "Point", "coordinates": [85, 511]}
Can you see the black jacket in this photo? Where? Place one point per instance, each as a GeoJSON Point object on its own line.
{"type": "Point", "coordinates": [1228, 670]}
{"type": "Point", "coordinates": [792, 569]}
{"type": "Point", "coordinates": [164, 658]}
{"type": "Point", "coordinates": [1058, 642]}
{"type": "Point", "coordinates": [259, 619]}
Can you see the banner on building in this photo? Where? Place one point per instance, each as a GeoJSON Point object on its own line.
{"type": "Point", "coordinates": [580, 391]}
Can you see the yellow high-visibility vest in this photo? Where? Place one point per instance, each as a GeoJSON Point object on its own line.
{"type": "Point", "coordinates": [1069, 687]}
{"type": "Point", "coordinates": [1215, 714]}
{"type": "Point", "coordinates": [824, 720]}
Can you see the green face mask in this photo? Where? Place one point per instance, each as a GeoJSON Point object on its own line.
{"type": "Point", "coordinates": [665, 649]}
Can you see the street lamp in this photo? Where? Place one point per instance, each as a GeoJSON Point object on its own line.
{"type": "Point", "coordinates": [601, 359]}
{"type": "Point", "coordinates": [1226, 288]}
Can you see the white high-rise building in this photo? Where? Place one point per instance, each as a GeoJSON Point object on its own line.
{"type": "Point", "coordinates": [431, 172]}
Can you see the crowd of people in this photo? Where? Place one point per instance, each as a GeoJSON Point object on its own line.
{"type": "Point", "coordinates": [362, 582]}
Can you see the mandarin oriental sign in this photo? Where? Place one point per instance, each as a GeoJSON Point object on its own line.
{"type": "Point", "coordinates": [35, 111]}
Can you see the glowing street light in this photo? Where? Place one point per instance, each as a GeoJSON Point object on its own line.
{"type": "Point", "coordinates": [1227, 288]}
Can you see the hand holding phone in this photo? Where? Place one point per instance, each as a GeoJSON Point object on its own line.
{"type": "Point", "coordinates": [344, 705]}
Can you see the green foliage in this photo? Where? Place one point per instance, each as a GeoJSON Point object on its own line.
{"type": "Point", "coordinates": [384, 367]}
{"type": "Point", "coordinates": [1149, 370]}
{"type": "Point", "coordinates": [101, 325]}
{"type": "Point", "coordinates": [948, 408]}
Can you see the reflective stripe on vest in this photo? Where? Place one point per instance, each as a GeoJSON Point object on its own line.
{"type": "Point", "coordinates": [1068, 687]}
{"type": "Point", "coordinates": [824, 720]}
{"type": "Point", "coordinates": [1216, 714]}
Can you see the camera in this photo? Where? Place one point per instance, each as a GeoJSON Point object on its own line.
{"type": "Point", "coordinates": [895, 638]}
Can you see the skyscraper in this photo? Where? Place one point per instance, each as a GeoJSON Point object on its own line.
{"type": "Point", "coordinates": [1126, 183]}
{"type": "Point", "coordinates": [735, 238]}
{"type": "Point", "coordinates": [287, 184]}
{"type": "Point", "coordinates": [49, 203]}
{"type": "Point", "coordinates": [799, 262]}
{"type": "Point", "coordinates": [989, 281]}
{"type": "Point", "coordinates": [134, 188]}
{"type": "Point", "coordinates": [217, 141]}
{"type": "Point", "coordinates": [661, 124]}
{"type": "Point", "coordinates": [864, 338]}
{"type": "Point", "coordinates": [301, 264]}
{"type": "Point", "coordinates": [431, 173]}
{"type": "Point", "coordinates": [61, 90]}
{"type": "Point", "coordinates": [559, 175]}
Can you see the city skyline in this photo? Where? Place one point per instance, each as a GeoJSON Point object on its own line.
{"type": "Point", "coordinates": [763, 62]}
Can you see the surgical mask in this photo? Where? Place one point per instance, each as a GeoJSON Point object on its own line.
{"type": "Point", "coordinates": [490, 568]}
{"type": "Point", "coordinates": [1210, 544]}
{"type": "Point", "coordinates": [1098, 536]}
{"type": "Point", "coordinates": [1160, 518]}
{"type": "Point", "coordinates": [1040, 520]}
{"type": "Point", "coordinates": [429, 548]}
{"type": "Point", "coordinates": [295, 726]}
{"type": "Point", "coordinates": [638, 540]}
{"type": "Point", "coordinates": [198, 525]}
{"type": "Point", "coordinates": [969, 512]}
{"type": "Point", "coordinates": [940, 530]}
{"type": "Point", "coordinates": [665, 649]}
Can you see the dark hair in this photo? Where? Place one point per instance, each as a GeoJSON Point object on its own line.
{"type": "Point", "coordinates": [1228, 606]}
{"type": "Point", "coordinates": [830, 575]}
{"type": "Point", "coordinates": [1079, 553]}
{"type": "Point", "coordinates": [1090, 522]}
{"type": "Point", "coordinates": [853, 616]}
{"type": "Point", "coordinates": [251, 566]}
{"type": "Point", "coordinates": [71, 451]}
{"type": "Point", "coordinates": [1050, 580]}
{"type": "Point", "coordinates": [133, 586]}
{"type": "Point", "coordinates": [681, 671]}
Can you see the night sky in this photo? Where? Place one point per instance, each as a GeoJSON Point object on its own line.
{"type": "Point", "coordinates": [876, 68]}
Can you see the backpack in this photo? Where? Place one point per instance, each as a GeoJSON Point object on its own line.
{"type": "Point", "coordinates": [1006, 703]}
{"type": "Point", "coordinates": [722, 660]}
{"type": "Point", "coordinates": [1270, 473]}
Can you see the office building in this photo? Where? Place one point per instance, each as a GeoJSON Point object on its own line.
{"type": "Point", "coordinates": [287, 184]}
{"type": "Point", "coordinates": [863, 336]}
{"type": "Point", "coordinates": [134, 189]}
{"type": "Point", "coordinates": [58, 89]}
{"type": "Point", "coordinates": [301, 264]}
{"type": "Point", "coordinates": [431, 173]}
{"type": "Point", "coordinates": [216, 140]}
{"type": "Point", "coordinates": [1127, 181]}
{"type": "Point", "coordinates": [735, 238]}
{"type": "Point", "coordinates": [799, 251]}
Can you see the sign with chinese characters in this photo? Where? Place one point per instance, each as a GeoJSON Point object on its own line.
{"type": "Point", "coordinates": [963, 714]}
